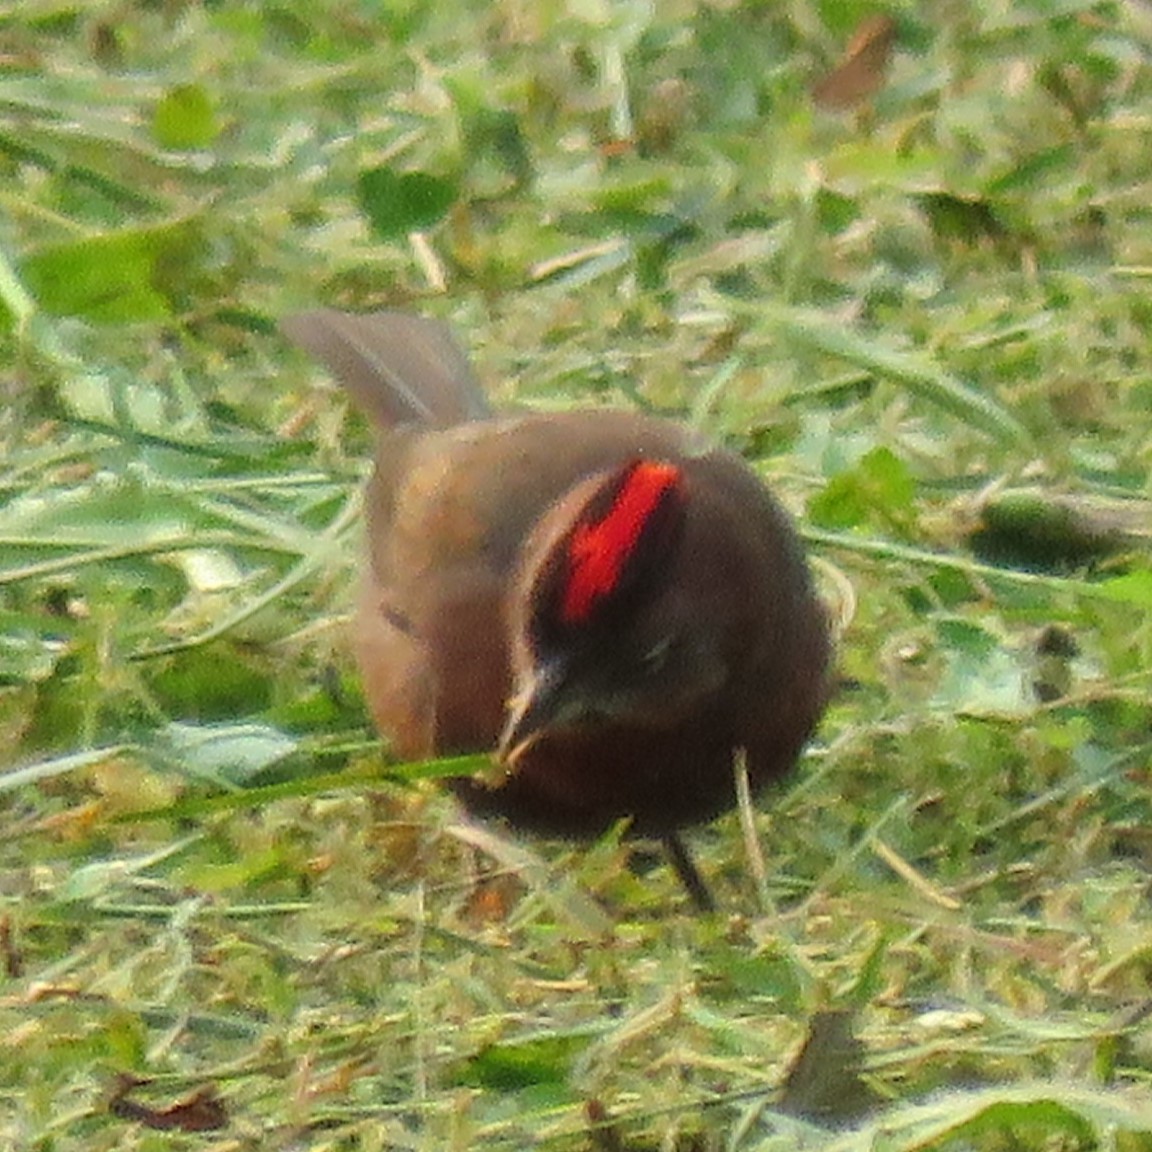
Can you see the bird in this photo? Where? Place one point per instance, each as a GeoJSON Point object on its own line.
{"type": "Point", "coordinates": [613, 606]}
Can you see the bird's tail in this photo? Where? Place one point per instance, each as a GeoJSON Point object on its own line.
{"type": "Point", "coordinates": [399, 368]}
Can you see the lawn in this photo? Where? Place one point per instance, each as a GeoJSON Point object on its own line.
{"type": "Point", "coordinates": [897, 255]}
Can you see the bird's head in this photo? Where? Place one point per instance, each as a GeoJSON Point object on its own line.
{"type": "Point", "coordinates": [603, 635]}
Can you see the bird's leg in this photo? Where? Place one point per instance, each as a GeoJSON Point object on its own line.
{"type": "Point", "coordinates": [685, 867]}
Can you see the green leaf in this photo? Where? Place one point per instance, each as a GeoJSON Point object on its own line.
{"type": "Point", "coordinates": [983, 678]}
{"type": "Point", "coordinates": [1132, 588]}
{"type": "Point", "coordinates": [115, 277]}
{"type": "Point", "coordinates": [964, 219]}
{"type": "Point", "coordinates": [737, 975]}
{"type": "Point", "coordinates": [835, 211]}
{"type": "Point", "coordinates": [880, 483]}
{"type": "Point", "coordinates": [1034, 169]}
{"type": "Point", "coordinates": [1030, 1112]}
{"type": "Point", "coordinates": [398, 203]}
{"type": "Point", "coordinates": [184, 119]}
{"type": "Point", "coordinates": [225, 752]}
{"type": "Point", "coordinates": [205, 684]}
{"type": "Point", "coordinates": [962, 636]}
{"type": "Point", "coordinates": [14, 295]}
{"type": "Point", "coordinates": [916, 373]}
{"type": "Point", "coordinates": [510, 1066]}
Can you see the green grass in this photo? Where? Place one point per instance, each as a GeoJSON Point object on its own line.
{"type": "Point", "coordinates": [927, 320]}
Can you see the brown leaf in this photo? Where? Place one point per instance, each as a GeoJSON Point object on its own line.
{"type": "Point", "coordinates": [13, 958]}
{"type": "Point", "coordinates": [862, 70]}
{"type": "Point", "coordinates": [492, 899]}
{"type": "Point", "coordinates": [200, 1111]}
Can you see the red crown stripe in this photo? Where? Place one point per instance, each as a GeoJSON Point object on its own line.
{"type": "Point", "coordinates": [599, 549]}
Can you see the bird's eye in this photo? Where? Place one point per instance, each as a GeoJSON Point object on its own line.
{"type": "Point", "coordinates": [656, 657]}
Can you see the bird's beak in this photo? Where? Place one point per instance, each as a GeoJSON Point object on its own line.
{"type": "Point", "coordinates": [532, 711]}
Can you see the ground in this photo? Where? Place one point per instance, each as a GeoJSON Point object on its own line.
{"type": "Point", "coordinates": [897, 255]}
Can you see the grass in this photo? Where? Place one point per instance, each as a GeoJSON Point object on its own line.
{"type": "Point", "coordinates": [922, 313]}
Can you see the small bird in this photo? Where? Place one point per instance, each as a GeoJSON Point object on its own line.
{"type": "Point", "coordinates": [612, 605]}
